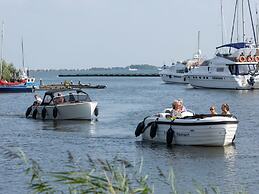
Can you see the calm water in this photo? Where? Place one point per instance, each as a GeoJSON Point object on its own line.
{"type": "Point", "coordinates": [122, 105]}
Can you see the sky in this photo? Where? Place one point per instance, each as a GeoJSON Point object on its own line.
{"type": "Point", "coordinates": [80, 34]}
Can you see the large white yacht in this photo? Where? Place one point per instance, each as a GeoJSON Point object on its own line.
{"type": "Point", "coordinates": [235, 66]}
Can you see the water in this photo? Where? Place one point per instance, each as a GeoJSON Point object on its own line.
{"type": "Point", "coordinates": [122, 105]}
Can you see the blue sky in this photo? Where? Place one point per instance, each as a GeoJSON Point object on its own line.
{"type": "Point", "coordinates": [105, 33]}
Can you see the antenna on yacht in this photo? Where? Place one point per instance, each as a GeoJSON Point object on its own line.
{"type": "Point", "coordinates": [252, 22]}
{"type": "Point", "coordinates": [2, 50]}
{"type": "Point", "coordinates": [198, 44]}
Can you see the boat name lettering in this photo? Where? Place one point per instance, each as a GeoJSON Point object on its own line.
{"type": "Point", "coordinates": [183, 134]}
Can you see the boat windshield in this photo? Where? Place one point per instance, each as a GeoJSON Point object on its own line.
{"type": "Point", "coordinates": [242, 69]}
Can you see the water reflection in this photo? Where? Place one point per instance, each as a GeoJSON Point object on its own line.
{"type": "Point", "coordinates": [194, 152]}
{"type": "Point", "coordinates": [70, 126]}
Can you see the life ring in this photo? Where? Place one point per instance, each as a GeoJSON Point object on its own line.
{"type": "Point", "coordinates": [256, 58]}
{"type": "Point", "coordinates": [242, 59]}
{"type": "Point", "coordinates": [250, 58]}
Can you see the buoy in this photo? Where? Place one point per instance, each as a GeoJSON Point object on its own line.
{"type": "Point", "coordinates": [242, 59]}
{"type": "Point", "coordinates": [43, 113]}
{"type": "Point", "coordinates": [96, 111]}
{"type": "Point", "coordinates": [153, 130]}
{"type": "Point", "coordinates": [169, 136]}
{"type": "Point", "coordinates": [55, 112]}
{"type": "Point", "coordinates": [28, 111]}
{"type": "Point", "coordinates": [34, 113]}
{"type": "Point", "coordinates": [139, 128]}
{"type": "Point", "coordinates": [250, 58]}
{"type": "Point", "coordinates": [256, 58]}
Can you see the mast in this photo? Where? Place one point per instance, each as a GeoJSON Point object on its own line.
{"type": "Point", "coordinates": [23, 57]}
{"type": "Point", "coordinates": [222, 22]}
{"type": "Point", "coordinates": [257, 24]}
{"type": "Point", "coordinates": [233, 24]}
{"type": "Point", "coordinates": [243, 21]}
{"type": "Point", "coordinates": [237, 22]}
{"type": "Point", "coordinates": [199, 43]}
{"type": "Point", "coordinates": [252, 22]}
{"type": "Point", "coordinates": [2, 51]}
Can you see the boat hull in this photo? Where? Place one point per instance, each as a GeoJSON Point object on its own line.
{"type": "Point", "coordinates": [171, 79]}
{"type": "Point", "coordinates": [222, 82]}
{"type": "Point", "coordinates": [78, 111]}
{"type": "Point", "coordinates": [211, 131]}
{"type": "Point", "coordinates": [16, 89]}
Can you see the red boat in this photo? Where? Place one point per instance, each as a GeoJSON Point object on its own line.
{"type": "Point", "coordinates": [6, 83]}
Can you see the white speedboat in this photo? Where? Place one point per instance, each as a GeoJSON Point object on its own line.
{"type": "Point", "coordinates": [58, 107]}
{"type": "Point", "coordinates": [191, 129]}
{"type": "Point", "coordinates": [235, 69]}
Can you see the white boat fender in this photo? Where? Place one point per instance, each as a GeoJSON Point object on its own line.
{"type": "Point", "coordinates": [140, 127]}
{"type": "Point", "coordinates": [153, 129]}
{"type": "Point", "coordinates": [28, 111]}
{"type": "Point", "coordinates": [96, 111]}
{"type": "Point", "coordinates": [34, 113]}
{"type": "Point", "coordinates": [55, 112]}
{"type": "Point", "coordinates": [43, 113]}
{"type": "Point", "coordinates": [169, 136]}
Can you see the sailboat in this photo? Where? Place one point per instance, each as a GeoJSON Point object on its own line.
{"type": "Point", "coordinates": [21, 85]}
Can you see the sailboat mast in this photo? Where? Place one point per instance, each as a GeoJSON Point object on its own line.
{"type": "Point", "coordinates": [252, 22]}
{"type": "Point", "coordinates": [23, 57]}
{"type": "Point", "coordinates": [243, 21]}
{"type": "Point", "coordinates": [222, 22]}
{"type": "Point", "coordinates": [2, 51]}
{"type": "Point", "coordinates": [257, 24]}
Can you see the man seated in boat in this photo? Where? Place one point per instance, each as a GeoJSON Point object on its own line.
{"type": "Point", "coordinates": [213, 110]}
{"type": "Point", "coordinates": [59, 99]}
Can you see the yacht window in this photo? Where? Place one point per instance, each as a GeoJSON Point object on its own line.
{"type": "Point", "coordinates": [170, 76]}
{"type": "Point", "coordinates": [180, 71]}
{"type": "Point", "coordinates": [205, 63]}
{"type": "Point", "coordinates": [243, 69]}
{"type": "Point", "coordinates": [220, 69]}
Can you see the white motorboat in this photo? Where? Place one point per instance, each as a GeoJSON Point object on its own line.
{"type": "Point", "coordinates": [232, 70]}
{"type": "Point", "coordinates": [191, 129]}
{"type": "Point", "coordinates": [59, 107]}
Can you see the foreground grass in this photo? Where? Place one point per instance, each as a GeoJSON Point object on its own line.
{"type": "Point", "coordinates": [101, 176]}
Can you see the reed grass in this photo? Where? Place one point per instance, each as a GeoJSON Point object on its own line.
{"type": "Point", "coordinates": [101, 176]}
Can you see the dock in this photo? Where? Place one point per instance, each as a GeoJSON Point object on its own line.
{"type": "Point", "coordinates": [69, 86]}
{"type": "Point", "coordinates": [110, 75]}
